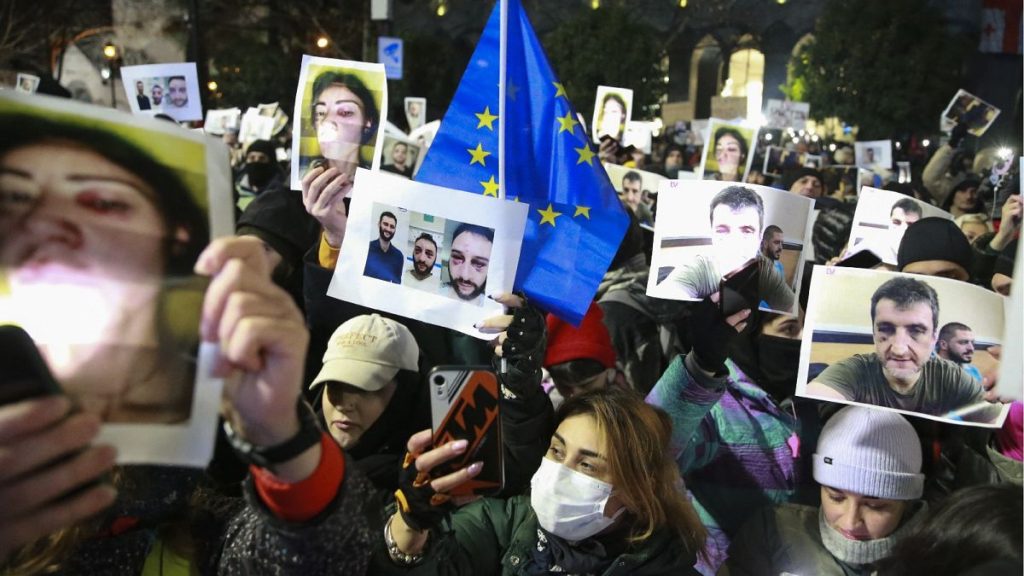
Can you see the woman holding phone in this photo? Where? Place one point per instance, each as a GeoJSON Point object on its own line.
{"type": "Point", "coordinates": [607, 499]}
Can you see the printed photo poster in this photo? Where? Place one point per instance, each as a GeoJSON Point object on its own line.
{"type": "Point", "coordinates": [705, 230]}
{"type": "Point", "coordinates": [415, 112]}
{"type": "Point", "coordinates": [786, 114]}
{"type": "Point", "coordinates": [1011, 369]}
{"type": "Point", "coordinates": [873, 154]}
{"type": "Point", "coordinates": [26, 83]}
{"type": "Point", "coordinates": [171, 89]}
{"type": "Point", "coordinates": [896, 341]}
{"type": "Point", "coordinates": [400, 155]}
{"type": "Point", "coordinates": [255, 126]}
{"type": "Point", "coordinates": [638, 189]}
{"type": "Point", "coordinates": [220, 121]}
{"type": "Point", "coordinates": [613, 108]}
{"type": "Point", "coordinates": [881, 218]}
{"type": "Point", "coordinates": [424, 137]}
{"type": "Point", "coordinates": [340, 106]}
{"type": "Point", "coordinates": [116, 317]}
{"type": "Point", "coordinates": [427, 252]}
{"type": "Point", "coordinates": [728, 151]}
{"type": "Point", "coordinates": [778, 160]}
{"type": "Point", "coordinates": [966, 107]}
{"type": "Point", "coordinates": [638, 135]}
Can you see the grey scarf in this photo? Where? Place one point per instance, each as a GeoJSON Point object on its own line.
{"type": "Point", "coordinates": [863, 552]}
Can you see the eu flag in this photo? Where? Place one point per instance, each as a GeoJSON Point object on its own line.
{"type": "Point", "coordinates": [576, 221]}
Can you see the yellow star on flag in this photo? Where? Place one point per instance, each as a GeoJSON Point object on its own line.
{"type": "Point", "coordinates": [586, 154]}
{"type": "Point", "coordinates": [582, 211]}
{"type": "Point", "coordinates": [490, 187]}
{"type": "Point", "coordinates": [560, 90]}
{"type": "Point", "coordinates": [548, 215]}
{"type": "Point", "coordinates": [479, 154]}
{"type": "Point", "coordinates": [566, 123]}
{"type": "Point", "coordinates": [486, 119]}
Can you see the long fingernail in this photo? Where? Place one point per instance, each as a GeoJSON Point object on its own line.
{"type": "Point", "coordinates": [459, 446]}
{"type": "Point", "coordinates": [475, 468]}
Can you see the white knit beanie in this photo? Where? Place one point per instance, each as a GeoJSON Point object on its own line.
{"type": "Point", "coordinates": [870, 452]}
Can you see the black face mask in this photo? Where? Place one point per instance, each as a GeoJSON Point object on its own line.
{"type": "Point", "coordinates": [778, 362]}
{"type": "Point", "coordinates": [259, 173]}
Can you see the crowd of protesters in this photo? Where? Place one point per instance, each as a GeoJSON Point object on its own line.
{"type": "Point", "coordinates": [658, 437]}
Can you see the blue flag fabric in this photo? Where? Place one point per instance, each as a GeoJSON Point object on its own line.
{"type": "Point", "coordinates": [576, 220]}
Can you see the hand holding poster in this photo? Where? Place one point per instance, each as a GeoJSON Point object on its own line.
{"type": "Point", "coordinates": [706, 230]}
{"type": "Point", "coordinates": [427, 252]}
{"type": "Point", "coordinates": [890, 340]}
{"type": "Point", "coordinates": [966, 108]}
{"type": "Point", "coordinates": [339, 108]}
{"type": "Point", "coordinates": [112, 301]}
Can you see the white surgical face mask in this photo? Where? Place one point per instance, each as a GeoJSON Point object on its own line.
{"type": "Point", "coordinates": [569, 504]}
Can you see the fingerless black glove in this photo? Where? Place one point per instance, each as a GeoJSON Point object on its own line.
{"type": "Point", "coordinates": [421, 507]}
{"type": "Point", "coordinates": [523, 351]}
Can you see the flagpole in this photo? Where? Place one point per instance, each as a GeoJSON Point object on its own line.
{"type": "Point", "coordinates": [502, 86]}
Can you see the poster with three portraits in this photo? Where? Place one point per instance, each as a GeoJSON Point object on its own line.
{"type": "Point", "coordinates": [707, 230]}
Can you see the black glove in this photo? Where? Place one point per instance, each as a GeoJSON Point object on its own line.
{"type": "Point", "coordinates": [957, 135]}
{"type": "Point", "coordinates": [523, 351]}
{"type": "Point", "coordinates": [420, 506]}
{"type": "Point", "coordinates": [711, 336]}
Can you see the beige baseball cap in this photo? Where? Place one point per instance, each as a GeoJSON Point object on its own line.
{"type": "Point", "coordinates": [367, 351]}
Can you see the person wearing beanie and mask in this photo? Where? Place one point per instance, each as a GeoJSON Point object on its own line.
{"type": "Point", "coordinates": [605, 500]}
{"type": "Point", "coordinates": [868, 466]}
{"type": "Point", "coordinates": [259, 173]}
{"type": "Point", "coordinates": [580, 359]}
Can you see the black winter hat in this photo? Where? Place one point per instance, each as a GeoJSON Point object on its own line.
{"type": "Point", "coordinates": [934, 239]}
{"type": "Point", "coordinates": [265, 146]}
{"type": "Point", "coordinates": [278, 217]}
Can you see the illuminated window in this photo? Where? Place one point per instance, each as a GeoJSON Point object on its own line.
{"type": "Point", "coordinates": [746, 78]}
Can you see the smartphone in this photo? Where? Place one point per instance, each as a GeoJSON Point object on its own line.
{"type": "Point", "coordinates": [739, 290]}
{"type": "Point", "coordinates": [464, 405]}
{"type": "Point", "coordinates": [865, 259]}
{"type": "Point", "coordinates": [23, 371]}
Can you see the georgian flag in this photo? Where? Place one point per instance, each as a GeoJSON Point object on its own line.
{"type": "Point", "coordinates": [1001, 27]}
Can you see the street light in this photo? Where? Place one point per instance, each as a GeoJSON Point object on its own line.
{"type": "Point", "coordinates": [110, 52]}
{"type": "Point", "coordinates": [322, 42]}
{"type": "Point", "coordinates": [212, 85]}
{"type": "Point", "coordinates": [442, 7]}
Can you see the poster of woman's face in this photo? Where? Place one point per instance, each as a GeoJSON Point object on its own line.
{"type": "Point", "coordinates": [111, 300]}
{"type": "Point", "coordinates": [415, 112]}
{"type": "Point", "coordinates": [340, 106]}
{"type": "Point", "coordinates": [707, 230]}
{"type": "Point", "coordinates": [171, 89]}
{"type": "Point", "coordinates": [968, 108]}
{"type": "Point", "coordinates": [427, 252]}
{"type": "Point", "coordinates": [613, 108]}
{"type": "Point", "coordinates": [727, 151]}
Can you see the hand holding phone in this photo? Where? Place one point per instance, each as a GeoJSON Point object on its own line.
{"type": "Point", "coordinates": [739, 289]}
{"type": "Point", "coordinates": [464, 403]}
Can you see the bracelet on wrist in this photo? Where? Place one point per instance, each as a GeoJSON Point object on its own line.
{"type": "Point", "coordinates": [397, 556]}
